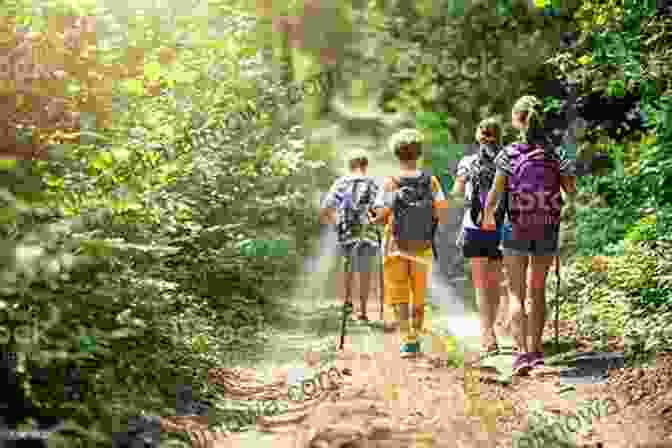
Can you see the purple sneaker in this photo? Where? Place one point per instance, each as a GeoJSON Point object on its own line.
{"type": "Point", "coordinates": [536, 360]}
{"type": "Point", "coordinates": [522, 364]}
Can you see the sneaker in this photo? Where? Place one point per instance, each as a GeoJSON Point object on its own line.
{"type": "Point", "coordinates": [489, 351]}
{"type": "Point", "coordinates": [521, 365]}
{"type": "Point", "coordinates": [361, 317]}
{"type": "Point", "coordinates": [536, 360]}
{"type": "Point", "coordinates": [410, 349]}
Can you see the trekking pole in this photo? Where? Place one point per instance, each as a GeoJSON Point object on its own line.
{"type": "Point", "coordinates": [347, 306]}
{"type": "Point", "coordinates": [381, 283]}
{"type": "Point", "coordinates": [557, 302]}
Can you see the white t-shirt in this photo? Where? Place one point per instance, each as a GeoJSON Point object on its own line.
{"type": "Point", "coordinates": [466, 169]}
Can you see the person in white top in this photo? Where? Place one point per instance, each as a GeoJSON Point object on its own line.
{"type": "Point", "coordinates": [475, 174]}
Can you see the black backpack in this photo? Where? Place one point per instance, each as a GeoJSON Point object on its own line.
{"type": "Point", "coordinates": [480, 188]}
{"type": "Point", "coordinates": [353, 209]}
{"type": "Point", "coordinates": [413, 223]}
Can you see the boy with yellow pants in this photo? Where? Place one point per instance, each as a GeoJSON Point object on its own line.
{"type": "Point", "coordinates": [407, 259]}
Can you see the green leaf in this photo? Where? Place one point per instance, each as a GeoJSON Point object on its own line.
{"type": "Point", "coordinates": [134, 87]}
{"type": "Point", "coordinates": [103, 161]}
{"type": "Point", "coordinates": [184, 77]}
{"type": "Point", "coordinates": [153, 71]}
{"type": "Point", "coordinates": [7, 164]}
{"type": "Point", "coordinates": [121, 154]}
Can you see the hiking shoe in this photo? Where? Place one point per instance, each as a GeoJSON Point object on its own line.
{"type": "Point", "coordinates": [362, 317]}
{"type": "Point", "coordinates": [489, 351]}
{"type": "Point", "coordinates": [390, 327]}
{"type": "Point", "coordinates": [536, 360]}
{"type": "Point", "coordinates": [410, 349]}
{"type": "Point", "coordinates": [521, 365]}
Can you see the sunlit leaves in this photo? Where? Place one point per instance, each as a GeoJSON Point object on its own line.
{"type": "Point", "coordinates": [134, 87]}
{"type": "Point", "coordinates": [103, 161]}
{"type": "Point", "coordinates": [183, 77]}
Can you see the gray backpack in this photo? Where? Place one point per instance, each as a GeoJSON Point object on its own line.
{"type": "Point", "coordinates": [413, 213]}
{"type": "Point", "coordinates": [353, 207]}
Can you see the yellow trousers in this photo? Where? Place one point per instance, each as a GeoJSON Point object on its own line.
{"type": "Point", "coordinates": [406, 284]}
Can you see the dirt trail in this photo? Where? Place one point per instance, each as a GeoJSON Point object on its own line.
{"type": "Point", "coordinates": [389, 402]}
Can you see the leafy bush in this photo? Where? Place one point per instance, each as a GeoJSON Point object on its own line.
{"type": "Point", "coordinates": [646, 229]}
{"type": "Point", "coordinates": [596, 228]}
{"type": "Point", "coordinates": [133, 234]}
{"type": "Point", "coordinates": [628, 295]}
{"type": "Point", "coordinates": [633, 271]}
{"type": "Point", "coordinates": [646, 333]}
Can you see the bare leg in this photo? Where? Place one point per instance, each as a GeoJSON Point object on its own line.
{"type": "Point", "coordinates": [406, 332]}
{"type": "Point", "coordinates": [504, 302]}
{"type": "Point", "coordinates": [364, 290]}
{"type": "Point", "coordinates": [538, 271]}
{"type": "Point", "coordinates": [516, 269]}
{"type": "Point", "coordinates": [486, 274]}
{"type": "Point", "coordinates": [348, 280]}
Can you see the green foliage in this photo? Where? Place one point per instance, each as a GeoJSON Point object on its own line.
{"type": "Point", "coordinates": [627, 295]}
{"type": "Point", "coordinates": [465, 64]}
{"type": "Point", "coordinates": [133, 232]}
{"type": "Point", "coordinates": [646, 229]}
{"type": "Point", "coordinates": [443, 153]}
{"type": "Point", "coordinates": [597, 228]}
{"type": "Point", "coordinates": [633, 271]}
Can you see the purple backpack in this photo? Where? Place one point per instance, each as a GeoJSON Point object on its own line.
{"type": "Point", "coordinates": [534, 192]}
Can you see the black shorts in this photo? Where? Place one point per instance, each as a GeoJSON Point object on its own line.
{"type": "Point", "coordinates": [549, 245]}
{"type": "Point", "coordinates": [475, 246]}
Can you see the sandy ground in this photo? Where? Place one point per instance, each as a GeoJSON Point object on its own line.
{"type": "Point", "coordinates": [388, 402]}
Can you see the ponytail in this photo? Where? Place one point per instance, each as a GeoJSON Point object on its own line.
{"type": "Point", "coordinates": [534, 111]}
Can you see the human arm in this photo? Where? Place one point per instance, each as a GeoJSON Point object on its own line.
{"type": "Point", "coordinates": [568, 184]}
{"type": "Point", "coordinates": [459, 187]}
{"type": "Point", "coordinates": [568, 169]}
{"type": "Point", "coordinates": [328, 216]}
{"type": "Point", "coordinates": [439, 202]}
{"type": "Point", "coordinates": [457, 194]}
{"type": "Point", "coordinates": [498, 188]}
{"type": "Point", "coordinates": [329, 205]}
{"type": "Point", "coordinates": [381, 206]}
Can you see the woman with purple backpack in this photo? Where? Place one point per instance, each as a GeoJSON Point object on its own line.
{"type": "Point", "coordinates": [531, 174]}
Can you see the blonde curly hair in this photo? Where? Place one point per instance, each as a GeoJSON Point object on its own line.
{"type": "Point", "coordinates": [407, 144]}
{"type": "Point", "coordinates": [357, 158]}
{"type": "Point", "coordinates": [533, 109]}
{"type": "Point", "coordinates": [492, 124]}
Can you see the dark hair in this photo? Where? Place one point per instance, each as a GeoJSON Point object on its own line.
{"type": "Point", "coordinates": [358, 163]}
{"type": "Point", "coordinates": [408, 152]}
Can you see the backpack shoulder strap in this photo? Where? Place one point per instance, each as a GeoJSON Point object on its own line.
{"type": "Point", "coordinates": [355, 182]}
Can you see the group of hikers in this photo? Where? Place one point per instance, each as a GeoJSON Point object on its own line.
{"type": "Point", "coordinates": [510, 230]}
